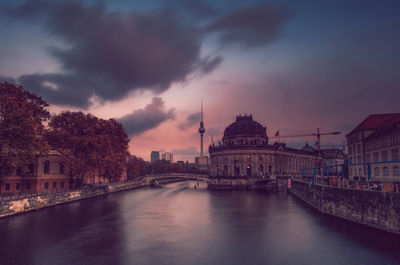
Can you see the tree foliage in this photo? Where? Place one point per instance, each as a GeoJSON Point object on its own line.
{"type": "Point", "coordinates": [92, 146]}
{"type": "Point", "coordinates": [21, 127]}
{"type": "Point", "coordinates": [136, 167]}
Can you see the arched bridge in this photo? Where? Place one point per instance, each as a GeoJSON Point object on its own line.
{"type": "Point", "coordinates": [164, 179]}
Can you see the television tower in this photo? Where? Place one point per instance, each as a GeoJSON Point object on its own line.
{"type": "Point", "coordinates": [202, 130]}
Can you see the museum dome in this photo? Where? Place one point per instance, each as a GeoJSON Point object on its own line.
{"type": "Point", "coordinates": [307, 148]}
{"type": "Point", "coordinates": [245, 126]}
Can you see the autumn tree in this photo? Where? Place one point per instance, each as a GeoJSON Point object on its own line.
{"type": "Point", "coordinates": [21, 127]}
{"type": "Point", "coordinates": [136, 167]}
{"type": "Point", "coordinates": [92, 146]}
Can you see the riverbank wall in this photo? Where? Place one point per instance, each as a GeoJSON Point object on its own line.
{"type": "Point", "coordinates": [36, 202]}
{"type": "Point", "coordinates": [376, 209]}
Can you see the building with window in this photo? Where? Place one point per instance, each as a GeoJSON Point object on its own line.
{"type": "Point", "coordinates": [154, 156]}
{"type": "Point", "coordinates": [46, 174]}
{"type": "Point", "coordinates": [375, 139]}
{"type": "Point", "coordinates": [244, 156]}
{"type": "Point", "coordinates": [167, 156]}
{"type": "Point", "coordinates": [333, 158]}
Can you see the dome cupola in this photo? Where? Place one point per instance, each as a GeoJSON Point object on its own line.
{"type": "Point", "coordinates": [245, 126]}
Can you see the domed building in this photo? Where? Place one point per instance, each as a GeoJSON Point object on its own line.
{"type": "Point", "coordinates": [244, 158]}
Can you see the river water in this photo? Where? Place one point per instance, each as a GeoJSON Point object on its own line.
{"type": "Point", "coordinates": [178, 224]}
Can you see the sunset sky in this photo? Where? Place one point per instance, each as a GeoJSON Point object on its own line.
{"type": "Point", "coordinates": [295, 65]}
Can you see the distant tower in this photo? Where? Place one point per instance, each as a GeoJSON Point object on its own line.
{"type": "Point", "coordinates": [202, 130]}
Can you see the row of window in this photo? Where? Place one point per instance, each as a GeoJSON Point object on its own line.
{"type": "Point", "coordinates": [375, 156]}
{"type": "Point", "coordinates": [28, 186]}
{"type": "Point", "coordinates": [352, 149]}
{"type": "Point", "coordinates": [376, 172]}
{"type": "Point", "coordinates": [46, 167]}
{"type": "Point", "coordinates": [383, 142]}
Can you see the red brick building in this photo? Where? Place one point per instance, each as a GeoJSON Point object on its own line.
{"type": "Point", "coordinates": [46, 174]}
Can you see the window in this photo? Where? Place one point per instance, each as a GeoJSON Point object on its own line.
{"type": "Point", "coordinates": [31, 168]}
{"type": "Point", "coordinates": [62, 167]}
{"type": "Point", "coordinates": [46, 167]}
{"type": "Point", "coordinates": [248, 170]}
{"type": "Point", "coordinates": [386, 171]}
{"type": "Point", "coordinates": [18, 186]}
{"type": "Point", "coordinates": [359, 159]}
{"type": "Point", "coordinates": [396, 171]}
{"type": "Point", "coordinates": [376, 157]}
{"type": "Point", "coordinates": [54, 185]}
{"type": "Point", "coordinates": [7, 186]}
{"type": "Point", "coordinates": [225, 170]}
{"type": "Point", "coordinates": [368, 158]}
{"type": "Point", "coordinates": [384, 155]}
{"type": "Point", "coordinates": [28, 186]}
{"type": "Point", "coordinates": [350, 150]}
{"type": "Point", "coordinates": [395, 154]}
{"type": "Point", "coordinates": [46, 185]}
{"type": "Point", "coordinates": [270, 169]}
{"type": "Point", "coordinates": [19, 171]}
{"type": "Point", "coordinates": [359, 172]}
{"type": "Point", "coordinates": [358, 148]}
{"type": "Point", "coordinates": [261, 170]}
{"type": "Point", "coordinates": [376, 171]}
{"type": "Point", "coordinates": [62, 185]}
{"type": "Point", "coordinates": [237, 168]}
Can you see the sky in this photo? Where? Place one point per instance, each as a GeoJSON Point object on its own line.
{"type": "Point", "coordinates": [294, 65]}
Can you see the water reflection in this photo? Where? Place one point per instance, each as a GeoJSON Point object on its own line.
{"type": "Point", "coordinates": [178, 224]}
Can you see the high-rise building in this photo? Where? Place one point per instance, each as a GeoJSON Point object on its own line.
{"type": "Point", "coordinates": [155, 156]}
{"type": "Point", "coordinates": [167, 156]}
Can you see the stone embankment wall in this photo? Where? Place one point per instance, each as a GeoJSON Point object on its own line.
{"type": "Point", "coordinates": [12, 207]}
{"type": "Point", "coordinates": [373, 208]}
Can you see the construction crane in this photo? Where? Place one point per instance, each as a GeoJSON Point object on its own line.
{"type": "Point", "coordinates": [318, 134]}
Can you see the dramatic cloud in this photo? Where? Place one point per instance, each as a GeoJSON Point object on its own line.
{"type": "Point", "coordinates": [209, 64]}
{"type": "Point", "coordinates": [111, 54]}
{"type": "Point", "coordinates": [191, 120]}
{"type": "Point", "coordinates": [148, 118]}
{"type": "Point", "coordinates": [251, 26]}
{"type": "Point", "coordinates": [7, 79]}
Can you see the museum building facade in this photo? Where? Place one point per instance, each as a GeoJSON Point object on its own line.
{"type": "Point", "coordinates": [244, 156]}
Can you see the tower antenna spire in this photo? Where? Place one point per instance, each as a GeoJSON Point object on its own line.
{"type": "Point", "coordinates": [201, 111]}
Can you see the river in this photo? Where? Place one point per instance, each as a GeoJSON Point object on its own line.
{"type": "Point", "coordinates": [178, 224]}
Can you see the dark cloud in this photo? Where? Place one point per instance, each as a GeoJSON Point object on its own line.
{"type": "Point", "coordinates": [7, 79]}
{"type": "Point", "coordinates": [251, 26]}
{"type": "Point", "coordinates": [209, 64]}
{"type": "Point", "coordinates": [190, 120]}
{"type": "Point", "coordinates": [148, 118]}
{"type": "Point", "coordinates": [200, 8]}
{"type": "Point", "coordinates": [111, 54]}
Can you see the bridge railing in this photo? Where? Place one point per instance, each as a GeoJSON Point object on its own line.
{"type": "Point", "coordinates": [323, 175]}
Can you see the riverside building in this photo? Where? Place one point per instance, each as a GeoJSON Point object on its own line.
{"type": "Point", "coordinates": [376, 140]}
{"type": "Point", "coordinates": [244, 157]}
{"type": "Point", "coordinates": [46, 174]}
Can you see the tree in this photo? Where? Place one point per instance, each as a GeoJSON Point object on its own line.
{"type": "Point", "coordinates": [21, 128]}
{"type": "Point", "coordinates": [136, 167]}
{"type": "Point", "coordinates": [92, 146]}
